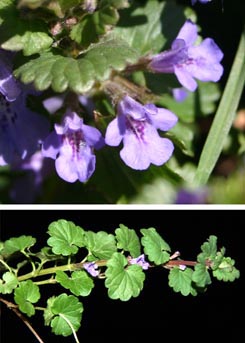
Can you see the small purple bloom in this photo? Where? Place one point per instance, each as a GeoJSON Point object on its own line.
{"type": "Point", "coordinates": [180, 94]}
{"type": "Point", "coordinates": [140, 260]}
{"type": "Point", "coordinates": [28, 186]}
{"type": "Point", "coordinates": [189, 61]}
{"type": "Point", "coordinates": [71, 145]}
{"type": "Point", "coordinates": [201, 1]}
{"type": "Point", "coordinates": [21, 130]}
{"type": "Point", "coordinates": [91, 268]}
{"type": "Point", "coordinates": [137, 126]}
{"type": "Point", "coordinates": [185, 196]}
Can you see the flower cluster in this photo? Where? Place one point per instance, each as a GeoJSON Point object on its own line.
{"type": "Point", "coordinates": [25, 136]}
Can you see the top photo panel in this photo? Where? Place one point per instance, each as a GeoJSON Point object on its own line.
{"type": "Point", "coordinates": [122, 102]}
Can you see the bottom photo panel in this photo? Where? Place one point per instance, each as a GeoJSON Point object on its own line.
{"type": "Point", "coordinates": [117, 275]}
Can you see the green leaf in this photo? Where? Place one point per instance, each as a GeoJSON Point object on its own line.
{"type": "Point", "coordinates": [209, 250]}
{"type": "Point", "coordinates": [224, 116]}
{"type": "Point", "coordinates": [154, 246]}
{"type": "Point", "coordinates": [68, 4]}
{"type": "Point", "coordinates": [15, 244]}
{"type": "Point", "coordinates": [79, 283]}
{"type": "Point", "coordinates": [63, 313]}
{"type": "Point", "coordinates": [123, 283]}
{"type": "Point", "coordinates": [182, 136]}
{"type": "Point", "coordinates": [181, 281]}
{"type": "Point", "coordinates": [90, 29]}
{"type": "Point", "coordinates": [8, 283]}
{"type": "Point", "coordinates": [101, 244]}
{"type": "Point", "coordinates": [201, 276]}
{"type": "Point", "coordinates": [128, 240]}
{"type": "Point", "coordinates": [65, 238]}
{"type": "Point", "coordinates": [226, 271]}
{"type": "Point", "coordinates": [196, 104]}
{"type": "Point", "coordinates": [25, 295]}
{"type": "Point", "coordinates": [79, 75]}
{"type": "Point", "coordinates": [148, 27]}
{"type": "Point", "coordinates": [115, 3]}
{"type": "Point", "coordinates": [18, 34]}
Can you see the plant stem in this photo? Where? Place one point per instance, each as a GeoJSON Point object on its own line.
{"type": "Point", "coordinates": [14, 308]}
{"type": "Point", "coordinates": [100, 263]}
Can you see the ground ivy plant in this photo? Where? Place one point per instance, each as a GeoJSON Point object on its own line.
{"type": "Point", "coordinates": [77, 259]}
{"type": "Point", "coordinates": [108, 95]}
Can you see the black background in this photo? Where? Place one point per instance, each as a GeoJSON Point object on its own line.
{"type": "Point", "coordinates": [158, 312]}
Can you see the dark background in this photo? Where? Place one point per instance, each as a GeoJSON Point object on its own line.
{"type": "Point", "coordinates": [158, 312]}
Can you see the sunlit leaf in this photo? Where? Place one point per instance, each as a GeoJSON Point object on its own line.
{"type": "Point", "coordinates": [122, 281]}
{"type": "Point", "coordinates": [26, 295]}
{"type": "Point", "coordinates": [155, 246]}
{"type": "Point", "coordinates": [65, 238]}
{"type": "Point", "coordinates": [128, 240]}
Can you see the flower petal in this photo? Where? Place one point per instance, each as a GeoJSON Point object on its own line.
{"type": "Point", "coordinates": [51, 145]}
{"type": "Point", "coordinates": [186, 79]}
{"type": "Point", "coordinates": [207, 57]}
{"type": "Point", "coordinates": [188, 32]}
{"type": "Point", "coordinates": [93, 136]}
{"type": "Point", "coordinates": [115, 132]}
{"type": "Point", "coordinates": [129, 107]}
{"type": "Point", "coordinates": [161, 118]}
{"type": "Point", "coordinates": [133, 153]}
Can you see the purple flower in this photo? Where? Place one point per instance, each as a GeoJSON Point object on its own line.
{"type": "Point", "coordinates": [21, 130]}
{"type": "Point", "coordinates": [180, 94]}
{"type": "Point", "coordinates": [202, 1]}
{"type": "Point", "coordinates": [71, 146]}
{"type": "Point", "coordinates": [137, 126]}
{"type": "Point", "coordinates": [36, 168]}
{"type": "Point", "coordinates": [192, 197]}
{"type": "Point", "coordinates": [91, 268]}
{"type": "Point", "coordinates": [189, 61]}
{"type": "Point", "coordinates": [140, 260]}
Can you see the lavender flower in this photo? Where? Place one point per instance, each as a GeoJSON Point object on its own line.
{"type": "Point", "coordinates": [137, 126]}
{"type": "Point", "coordinates": [199, 196]}
{"type": "Point", "coordinates": [189, 61]}
{"type": "Point", "coordinates": [201, 1]}
{"type": "Point", "coordinates": [36, 169]}
{"type": "Point", "coordinates": [140, 260]}
{"type": "Point", "coordinates": [21, 130]}
{"type": "Point", "coordinates": [71, 145]}
{"type": "Point", "coordinates": [91, 268]}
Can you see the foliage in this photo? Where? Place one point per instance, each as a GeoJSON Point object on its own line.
{"type": "Point", "coordinates": [98, 51]}
{"type": "Point", "coordinates": [122, 259]}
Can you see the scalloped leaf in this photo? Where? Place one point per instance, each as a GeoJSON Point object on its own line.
{"type": "Point", "coordinates": [79, 283]}
{"type": "Point", "coordinates": [62, 313]}
{"type": "Point", "coordinates": [128, 240]}
{"type": "Point", "coordinates": [181, 281]}
{"type": "Point", "coordinates": [123, 283]}
{"type": "Point", "coordinates": [79, 74]}
{"type": "Point", "coordinates": [15, 244]}
{"type": "Point", "coordinates": [25, 295]}
{"type": "Point", "coordinates": [8, 283]}
{"type": "Point", "coordinates": [101, 244]}
{"type": "Point", "coordinates": [209, 250]}
{"type": "Point", "coordinates": [18, 34]}
{"type": "Point", "coordinates": [65, 238]}
{"type": "Point", "coordinates": [148, 27]}
{"type": "Point", "coordinates": [226, 271]}
{"type": "Point", "coordinates": [155, 246]}
{"type": "Point", "coordinates": [201, 276]}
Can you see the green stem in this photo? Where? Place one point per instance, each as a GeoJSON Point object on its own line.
{"type": "Point", "coordinates": [53, 270]}
{"type": "Point", "coordinates": [224, 117]}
